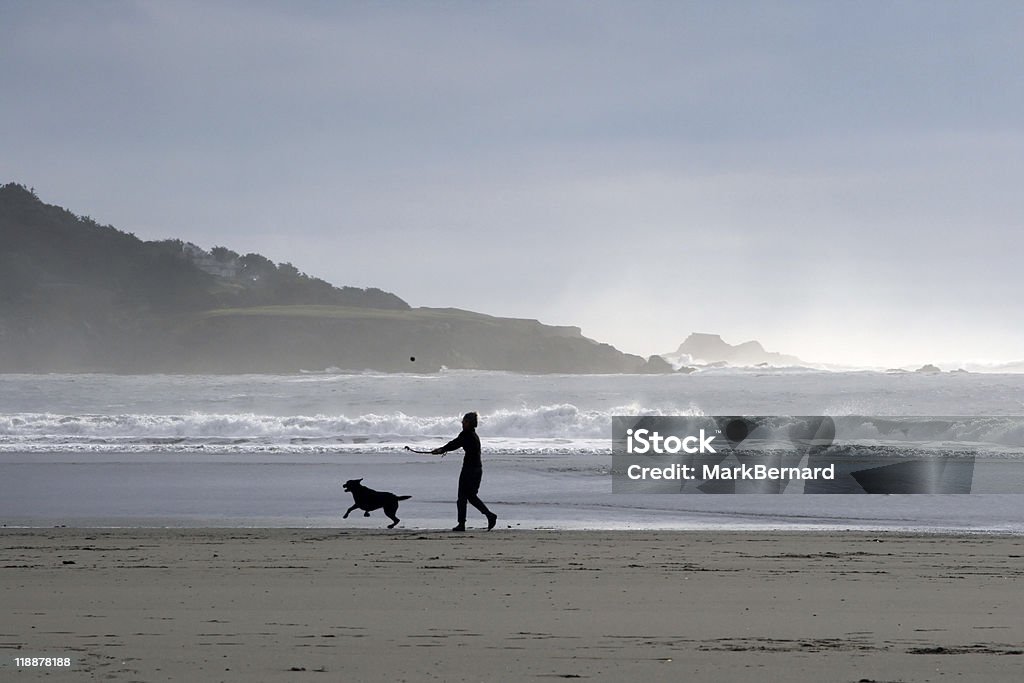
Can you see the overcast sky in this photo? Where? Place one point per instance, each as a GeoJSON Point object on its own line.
{"type": "Point", "coordinates": [840, 180]}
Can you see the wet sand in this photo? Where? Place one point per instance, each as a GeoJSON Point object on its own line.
{"type": "Point", "coordinates": [327, 605]}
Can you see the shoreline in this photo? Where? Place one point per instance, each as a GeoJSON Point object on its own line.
{"type": "Point", "coordinates": [795, 530]}
{"type": "Point", "coordinates": [289, 604]}
{"type": "Point", "coordinates": [554, 491]}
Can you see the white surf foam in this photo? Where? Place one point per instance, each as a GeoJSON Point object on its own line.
{"type": "Point", "coordinates": [557, 428]}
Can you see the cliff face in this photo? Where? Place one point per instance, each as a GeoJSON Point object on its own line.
{"type": "Point", "coordinates": [46, 249]}
{"type": "Point", "coordinates": [289, 338]}
{"type": "Point", "coordinates": [76, 296]}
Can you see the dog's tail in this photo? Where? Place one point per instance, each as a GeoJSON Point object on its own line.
{"type": "Point", "coordinates": [403, 497]}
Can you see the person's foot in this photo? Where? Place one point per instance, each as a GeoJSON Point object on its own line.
{"type": "Point", "coordinates": [461, 527]}
{"type": "Point", "coordinates": [492, 519]}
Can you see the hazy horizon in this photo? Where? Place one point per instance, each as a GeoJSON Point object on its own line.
{"type": "Point", "coordinates": [838, 181]}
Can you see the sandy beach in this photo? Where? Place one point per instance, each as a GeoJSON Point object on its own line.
{"type": "Point", "coordinates": [293, 605]}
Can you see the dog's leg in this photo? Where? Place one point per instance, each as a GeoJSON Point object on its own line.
{"type": "Point", "coordinates": [366, 514]}
{"type": "Point", "coordinates": [345, 516]}
{"type": "Point", "coordinates": [390, 511]}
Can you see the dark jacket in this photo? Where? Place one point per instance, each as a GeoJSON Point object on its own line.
{"type": "Point", "coordinates": [468, 441]}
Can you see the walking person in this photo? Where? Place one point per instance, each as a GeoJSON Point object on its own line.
{"type": "Point", "coordinates": [472, 471]}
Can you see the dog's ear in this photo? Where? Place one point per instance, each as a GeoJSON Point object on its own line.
{"type": "Point", "coordinates": [359, 481]}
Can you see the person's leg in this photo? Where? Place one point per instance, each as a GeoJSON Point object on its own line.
{"type": "Point", "coordinates": [475, 501]}
{"type": "Point", "coordinates": [468, 486]}
{"type": "Point", "coordinates": [460, 508]}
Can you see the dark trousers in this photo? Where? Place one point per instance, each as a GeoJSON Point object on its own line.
{"type": "Point", "coordinates": [469, 484]}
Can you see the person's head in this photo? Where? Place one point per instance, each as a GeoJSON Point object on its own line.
{"type": "Point", "coordinates": [469, 421]}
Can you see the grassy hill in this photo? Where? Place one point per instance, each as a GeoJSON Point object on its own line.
{"type": "Point", "coordinates": [77, 296]}
{"type": "Point", "coordinates": [45, 246]}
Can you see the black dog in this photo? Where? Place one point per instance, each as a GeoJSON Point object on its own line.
{"type": "Point", "coordinates": [368, 499]}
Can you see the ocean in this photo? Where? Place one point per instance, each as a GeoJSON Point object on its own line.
{"type": "Point", "coordinates": [273, 450]}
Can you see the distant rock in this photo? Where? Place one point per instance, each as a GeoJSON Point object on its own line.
{"type": "Point", "coordinates": [657, 365]}
{"type": "Point", "coordinates": [710, 349]}
{"type": "Point", "coordinates": [928, 369]}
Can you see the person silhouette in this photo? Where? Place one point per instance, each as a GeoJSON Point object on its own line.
{"type": "Point", "coordinates": [472, 471]}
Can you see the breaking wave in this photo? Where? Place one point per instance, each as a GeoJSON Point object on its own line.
{"type": "Point", "coordinates": [554, 428]}
{"type": "Point", "coordinates": [560, 428]}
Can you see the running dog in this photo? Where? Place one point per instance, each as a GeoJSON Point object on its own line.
{"type": "Point", "coordinates": [367, 499]}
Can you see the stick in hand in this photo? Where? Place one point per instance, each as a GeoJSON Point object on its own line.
{"type": "Point", "coordinates": [422, 452]}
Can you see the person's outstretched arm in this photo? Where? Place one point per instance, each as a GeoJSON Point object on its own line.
{"type": "Point", "coordinates": [452, 445]}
